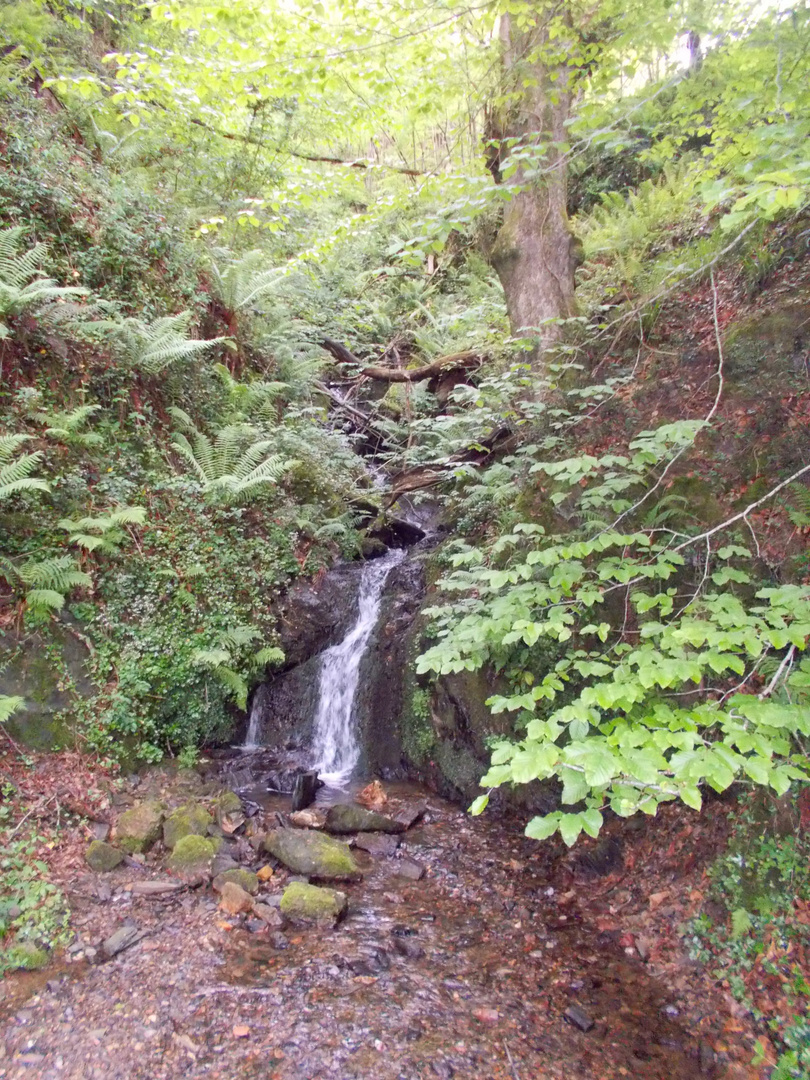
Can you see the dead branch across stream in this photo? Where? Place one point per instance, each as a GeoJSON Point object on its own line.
{"type": "Point", "coordinates": [443, 365]}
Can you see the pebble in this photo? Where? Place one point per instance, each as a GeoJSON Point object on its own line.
{"type": "Point", "coordinates": [579, 1018]}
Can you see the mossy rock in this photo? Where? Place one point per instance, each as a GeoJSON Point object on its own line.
{"type": "Point", "coordinates": [192, 855]}
{"type": "Point", "coordinates": [228, 802]}
{"type": "Point", "coordinates": [309, 903]}
{"type": "Point", "coordinates": [188, 820]}
{"type": "Point", "coordinates": [351, 818]}
{"type": "Point", "coordinates": [103, 857]}
{"type": "Point", "coordinates": [246, 879]}
{"type": "Point", "coordinates": [139, 828]}
{"type": "Point", "coordinates": [313, 854]}
{"type": "Point", "coordinates": [25, 956]}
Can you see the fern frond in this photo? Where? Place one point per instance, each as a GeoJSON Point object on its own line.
{"type": "Point", "coordinates": [9, 704]}
{"type": "Point", "coordinates": [16, 476]}
{"type": "Point", "coordinates": [44, 600]}
{"type": "Point", "coordinates": [234, 682]}
{"type": "Point", "coordinates": [58, 573]}
{"type": "Point", "coordinates": [237, 637]}
{"type": "Point", "coordinates": [211, 657]}
{"type": "Point", "coordinates": [269, 655]}
{"type": "Point", "coordinates": [152, 347]}
{"type": "Point", "coordinates": [243, 281]}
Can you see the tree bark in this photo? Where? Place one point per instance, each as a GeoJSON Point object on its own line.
{"type": "Point", "coordinates": [533, 251]}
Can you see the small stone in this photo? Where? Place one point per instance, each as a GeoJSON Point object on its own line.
{"type": "Point", "coordinates": [264, 873]}
{"type": "Point", "coordinates": [410, 869]}
{"type": "Point", "coordinates": [137, 829]}
{"type": "Point", "coordinates": [246, 879]}
{"type": "Point", "coordinates": [100, 830]}
{"type": "Point", "coordinates": [309, 903]}
{"type": "Point", "coordinates": [189, 820]}
{"type": "Point", "coordinates": [233, 899]}
{"type": "Point", "coordinates": [278, 940]}
{"type": "Point", "coordinates": [378, 844]}
{"type": "Point", "coordinates": [486, 1016]}
{"type": "Point", "coordinates": [308, 819]}
{"type": "Point", "coordinates": [408, 948]}
{"type": "Point", "coordinates": [223, 861]}
{"type": "Point", "coordinates": [122, 939]}
{"type": "Point", "coordinates": [155, 888]}
{"type": "Point", "coordinates": [578, 1017]}
{"type": "Point", "coordinates": [241, 1031]}
{"type": "Point", "coordinates": [270, 916]}
{"type": "Point", "coordinates": [103, 857]}
{"type": "Point", "coordinates": [255, 926]}
{"type": "Point", "coordinates": [643, 949]}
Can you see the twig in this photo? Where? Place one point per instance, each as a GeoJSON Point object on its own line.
{"type": "Point", "coordinates": [787, 660]}
{"type": "Point", "coordinates": [511, 1062]}
{"type": "Point", "coordinates": [210, 991]}
{"type": "Point", "coordinates": [25, 817]}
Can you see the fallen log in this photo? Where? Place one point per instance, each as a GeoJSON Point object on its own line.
{"type": "Point", "coordinates": [466, 361]}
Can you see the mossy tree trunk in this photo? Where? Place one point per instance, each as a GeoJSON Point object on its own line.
{"type": "Point", "coordinates": [533, 253]}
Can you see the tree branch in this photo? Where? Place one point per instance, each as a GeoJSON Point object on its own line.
{"type": "Point", "coordinates": [456, 361]}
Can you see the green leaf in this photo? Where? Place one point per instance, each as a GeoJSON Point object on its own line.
{"type": "Point", "coordinates": [479, 805]}
{"type": "Point", "coordinates": [540, 828]}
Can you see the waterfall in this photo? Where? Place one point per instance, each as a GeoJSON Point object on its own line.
{"type": "Point", "coordinates": [335, 741]}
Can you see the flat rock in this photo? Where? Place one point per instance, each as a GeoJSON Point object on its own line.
{"type": "Point", "coordinates": [155, 888]}
{"type": "Point", "coordinates": [310, 903]}
{"type": "Point", "coordinates": [410, 869]}
{"type": "Point", "coordinates": [122, 939]}
{"type": "Point", "coordinates": [350, 818]}
{"type": "Point", "coordinates": [271, 916]}
{"type": "Point", "coordinates": [578, 1017]}
{"type": "Point", "coordinates": [377, 843]}
{"type": "Point", "coordinates": [313, 854]}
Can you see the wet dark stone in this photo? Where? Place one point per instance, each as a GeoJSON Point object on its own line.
{"type": "Point", "coordinates": [578, 1017]}
{"type": "Point", "coordinates": [410, 869]}
{"type": "Point", "coordinates": [304, 790]}
{"type": "Point", "coordinates": [278, 940]}
{"type": "Point", "coordinates": [377, 844]}
{"type": "Point", "coordinates": [398, 930]}
{"type": "Point", "coordinates": [408, 948]}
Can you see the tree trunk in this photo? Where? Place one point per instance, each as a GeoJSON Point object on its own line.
{"type": "Point", "coordinates": [533, 251]}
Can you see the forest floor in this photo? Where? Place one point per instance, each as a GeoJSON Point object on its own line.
{"type": "Point", "coordinates": [488, 967]}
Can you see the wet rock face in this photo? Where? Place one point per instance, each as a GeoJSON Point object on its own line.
{"type": "Point", "coordinates": [313, 854]}
{"type": "Point", "coordinates": [287, 705]}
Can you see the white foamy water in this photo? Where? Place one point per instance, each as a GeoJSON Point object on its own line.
{"type": "Point", "coordinates": [336, 747]}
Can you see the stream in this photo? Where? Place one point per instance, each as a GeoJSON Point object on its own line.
{"type": "Point", "coordinates": [467, 951]}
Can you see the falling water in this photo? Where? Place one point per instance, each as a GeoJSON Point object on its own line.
{"type": "Point", "coordinates": [337, 749]}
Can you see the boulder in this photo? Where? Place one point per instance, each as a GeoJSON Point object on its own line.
{"type": "Point", "coordinates": [245, 879]}
{"type": "Point", "coordinates": [188, 820]}
{"type": "Point", "coordinates": [308, 819]}
{"type": "Point", "coordinates": [350, 818]}
{"type": "Point", "coordinates": [139, 828]}
{"type": "Point", "coordinates": [192, 856]}
{"type": "Point", "coordinates": [375, 844]}
{"type": "Point", "coordinates": [234, 900]}
{"type": "Point", "coordinates": [103, 857]}
{"type": "Point", "coordinates": [313, 854]}
{"type": "Point", "coordinates": [309, 903]}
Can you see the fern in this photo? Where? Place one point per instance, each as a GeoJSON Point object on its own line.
{"type": "Point", "coordinates": [152, 347]}
{"type": "Point", "coordinates": [245, 280]}
{"type": "Point", "coordinates": [251, 401]}
{"type": "Point", "coordinates": [65, 427]}
{"type": "Point", "coordinates": [224, 658]}
{"type": "Point", "coordinates": [103, 533]}
{"type": "Point", "coordinates": [15, 473]}
{"type": "Point", "coordinates": [224, 466]}
{"type": "Point", "coordinates": [9, 705]}
{"type": "Point", "coordinates": [799, 513]}
{"type": "Point", "coordinates": [21, 285]}
{"type": "Point", "coordinates": [46, 581]}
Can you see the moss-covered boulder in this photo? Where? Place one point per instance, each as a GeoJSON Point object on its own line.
{"type": "Point", "coordinates": [103, 857]}
{"type": "Point", "coordinates": [189, 820]}
{"type": "Point", "coordinates": [351, 818]}
{"type": "Point", "coordinates": [309, 903]}
{"type": "Point", "coordinates": [139, 828]}
{"type": "Point", "coordinates": [313, 854]}
{"type": "Point", "coordinates": [25, 956]}
{"type": "Point", "coordinates": [245, 879]}
{"type": "Point", "coordinates": [192, 856]}
{"type": "Point", "coordinates": [228, 802]}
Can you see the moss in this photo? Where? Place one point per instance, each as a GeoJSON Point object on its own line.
{"type": "Point", "coordinates": [193, 854]}
{"type": "Point", "coordinates": [228, 802]}
{"type": "Point", "coordinates": [312, 854]}
{"type": "Point", "coordinates": [187, 820]}
{"type": "Point", "coordinates": [245, 879]}
{"type": "Point", "coordinates": [416, 730]}
{"type": "Point", "coordinates": [24, 956]}
{"type": "Point", "coordinates": [312, 904]}
{"type": "Point", "coordinates": [103, 857]}
{"type": "Point", "coordinates": [139, 827]}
